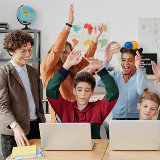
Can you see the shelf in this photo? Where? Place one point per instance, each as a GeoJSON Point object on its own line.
{"type": "Point", "coordinates": [151, 76]}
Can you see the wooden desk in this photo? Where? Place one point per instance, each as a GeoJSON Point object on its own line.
{"type": "Point", "coordinates": [131, 155]}
{"type": "Point", "coordinates": [97, 152]}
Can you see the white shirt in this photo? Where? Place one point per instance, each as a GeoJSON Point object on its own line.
{"type": "Point", "coordinates": [23, 74]}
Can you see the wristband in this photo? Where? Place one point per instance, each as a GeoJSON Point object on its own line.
{"type": "Point", "coordinates": [69, 25]}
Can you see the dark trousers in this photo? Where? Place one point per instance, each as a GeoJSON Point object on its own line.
{"type": "Point", "coordinates": [8, 142]}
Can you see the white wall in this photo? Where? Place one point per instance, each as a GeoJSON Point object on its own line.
{"type": "Point", "coordinates": [51, 16]}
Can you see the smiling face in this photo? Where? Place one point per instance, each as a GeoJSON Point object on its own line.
{"type": "Point", "coordinates": [127, 62]}
{"type": "Point", "coordinates": [83, 92]}
{"type": "Point", "coordinates": [21, 56]}
{"type": "Point", "coordinates": [147, 109]}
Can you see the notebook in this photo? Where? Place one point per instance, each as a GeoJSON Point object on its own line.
{"type": "Point", "coordinates": [25, 151]}
{"type": "Point", "coordinates": [134, 134]}
{"type": "Point", "coordinates": [66, 136]}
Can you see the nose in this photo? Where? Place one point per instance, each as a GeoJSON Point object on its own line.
{"type": "Point", "coordinates": [83, 92]}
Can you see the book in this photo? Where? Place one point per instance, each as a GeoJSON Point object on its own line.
{"type": "Point", "coordinates": [39, 154]}
{"type": "Point", "coordinates": [25, 151]}
{"type": "Point", "coordinates": [3, 23]}
{"type": "Point", "coordinates": [4, 26]}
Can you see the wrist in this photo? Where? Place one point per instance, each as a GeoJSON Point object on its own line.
{"type": "Point", "coordinates": [66, 66]}
{"type": "Point", "coordinates": [95, 39]}
{"type": "Point", "coordinates": [138, 68]}
{"type": "Point", "coordinates": [13, 125]}
{"type": "Point", "coordinates": [100, 67]}
{"type": "Point", "coordinates": [158, 80]}
{"type": "Point", "coordinates": [70, 22]}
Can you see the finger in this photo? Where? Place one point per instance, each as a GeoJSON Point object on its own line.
{"type": "Point", "coordinates": [22, 141]}
{"type": "Point", "coordinates": [26, 140]}
{"type": "Point", "coordinates": [17, 142]}
{"type": "Point", "coordinates": [108, 47]}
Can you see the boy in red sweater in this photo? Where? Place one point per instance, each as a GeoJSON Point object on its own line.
{"type": "Point", "coordinates": [82, 111]}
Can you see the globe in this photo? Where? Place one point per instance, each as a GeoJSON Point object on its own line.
{"type": "Point", "coordinates": [25, 15]}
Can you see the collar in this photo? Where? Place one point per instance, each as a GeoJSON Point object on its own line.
{"type": "Point", "coordinates": [17, 67]}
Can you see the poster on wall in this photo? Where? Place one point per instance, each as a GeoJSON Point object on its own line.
{"type": "Point", "coordinates": [149, 34]}
{"type": "Point", "coordinates": [81, 36]}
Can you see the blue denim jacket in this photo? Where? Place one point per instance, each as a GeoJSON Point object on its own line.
{"type": "Point", "coordinates": [129, 94]}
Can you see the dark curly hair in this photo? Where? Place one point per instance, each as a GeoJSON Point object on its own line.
{"type": "Point", "coordinates": [84, 77]}
{"type": "Point", "coordinates": [132, 51]}
{"type": "Point", "coordinates": [15, 39]}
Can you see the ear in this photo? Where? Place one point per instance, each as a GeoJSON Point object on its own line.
{"type": "Point", "coordinates": [156, 112]}
{"type": "Point", "coordinates": [11, 53]}
{"type": "Point", "coordinates": [74, 90]}
{"type": "Point", "coordinates": [138, 106]}
{"type": "Point", "coordinates": [92, 93]}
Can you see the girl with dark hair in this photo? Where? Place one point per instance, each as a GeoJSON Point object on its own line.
{"type": "Point", "coordinates": [131, 82]}
{"type": "Point", "coordinates": [58, 55]}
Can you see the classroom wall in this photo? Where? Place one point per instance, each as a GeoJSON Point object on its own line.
{"type": "Point", "coordinates": [51, 16]}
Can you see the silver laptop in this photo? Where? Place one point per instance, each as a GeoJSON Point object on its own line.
{"type": "Point", "coordinates": [66, 136]}
{"type": "Point", "coordinates": [134, 134]}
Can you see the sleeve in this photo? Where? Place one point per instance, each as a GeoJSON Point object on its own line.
{"type": "Point", "coordinates": [99, 83]}
{"type": "Point", "coordinates": [47, 66]}
{"type": "Point", "coordinates": [141, 81]}
{"type": "Point", "coordinates": [112, 93]}
{"type": "Point", "coordinates": [90, 53]}
{"type": "Point", "coordinates": [6, 115]}
{"type": "Point", "coordinates": [156, 88]}
{"type": "Point", "coordinates": [52, 91]}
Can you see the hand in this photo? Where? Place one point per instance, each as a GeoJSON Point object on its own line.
{"type": "Point", "coordinates": [72, 59]}
{"type": "Point", "coordinates": [97, 32]}
{"type": "Point", "coordinates": [156, 71]}
{"type": "Point", "coordinates": [138, 61]}
{"type": "Point", "coordinates": [107, 54]}
{"type": "Point", "coordinates": [71, 16]}
{"type": "Point", "coordinates": [95, 63]}
{"type": "Point", "coordinates": [20, 136]}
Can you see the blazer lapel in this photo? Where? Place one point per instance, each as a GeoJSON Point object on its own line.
{"type": "Point", "coordinates": [29, 70]}
{"type": "Point", "coordinates": [15, 74]}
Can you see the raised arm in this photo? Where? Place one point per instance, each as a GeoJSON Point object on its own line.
{"type": "Point", "coordinates": [107, 57]}
{"type": "Point", "coordinates": [47, 67]}
{"type": "Point", "coordinates": [141, 76]}
{"type": "Point", "coordinates": [156, 71]}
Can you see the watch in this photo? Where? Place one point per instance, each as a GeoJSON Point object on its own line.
{"type": "Point", "coordinates": [13, 125]}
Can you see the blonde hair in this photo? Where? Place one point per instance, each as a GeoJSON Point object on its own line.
{"type": "Point", "coordinates": [73, 69]}
{"type": "Point", "coordinates": [148, 95]}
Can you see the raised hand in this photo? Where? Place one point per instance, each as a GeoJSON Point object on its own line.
{"type": "Point", "coordinates": [72, 59]}
{"type": "Point", "coordinates": [95, 63]}
{"type": "Point", "coordinates": [108, 54]}
{"type": "Point", "coordinates": [156, 71]}
{"type": "Point", "coordinates": [138, 61]}
{"type": "Point", "coordinates": [97, 32]}
{"type": "Point", "coordinates": [71, 16]}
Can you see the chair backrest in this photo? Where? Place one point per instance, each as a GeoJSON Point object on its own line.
{"type": "Point", "coordinates": [103, 132]}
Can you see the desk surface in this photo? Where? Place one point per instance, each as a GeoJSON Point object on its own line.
{"type": "Point", "coordinates": [97, 152]}
{"type": "Point", "coordinates": [131, 155]}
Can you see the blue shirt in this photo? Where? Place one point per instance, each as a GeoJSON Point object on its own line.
{"type": "Point", "coordinates": [129, 94]}
{"type": "Point", "coordinates": [23, 74]}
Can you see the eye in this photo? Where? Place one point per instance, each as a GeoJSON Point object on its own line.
{"type": "Point", "coordinates": [153, 109]}
{"type": "Point", "coordinates": [23, 51]}
{"type": "Point", "coordinates": [123, 60]}
{"type": "Point", "coordinates": [130, 60]}
{"type": "Point", "coordinates": [79, 90]}
{"type": "Point", "coordinates": [87, 90]}
{"type": "Point", "coordinates": [145, 106]}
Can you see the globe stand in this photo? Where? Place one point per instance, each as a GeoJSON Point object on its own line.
{"type": "Point", "coordinates": [26, 27]}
